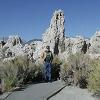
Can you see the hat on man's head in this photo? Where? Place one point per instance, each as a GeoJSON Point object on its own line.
{"type": "Point", "coordinates": [48, 47]}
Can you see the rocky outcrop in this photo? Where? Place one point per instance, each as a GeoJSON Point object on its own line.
{"type": "Point", "coordinates": [94, 47]}
{"type": "Point", "coordinates": [13, 40]}
{"type": "Point", "coordinates": [14, 47]}
{"type": "Point", "coordinates": [75, 45]}
{"type": "Point", "coordinates": [79, 45]}
{"type": "Point", "coordinates": [95, 43]}
{"type": "Point", "coordinates": [38, 49]}
{"type": "Point", "coordinates": [54, 35]}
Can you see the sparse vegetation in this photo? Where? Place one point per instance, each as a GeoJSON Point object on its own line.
{"type": "Point", "coordinates": [19, 71]}
{"type": "Point", "coordinates": [80, 70]}
{"type": "Point", "coordinates": [94, 77]}
{"type": "Point", "coordinates": [75, 70]}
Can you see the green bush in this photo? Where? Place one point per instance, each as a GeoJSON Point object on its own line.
{"type": "Point", "coordinates": [19, 71]}
{"type": "Point", "coordinates": [80, 70]}
{"type": "Point", "coordinates": [94, 77]}
{"type": "Point", "coordinates": [76, 69]}
{"type": "Point", "coordinates": [9, 73]}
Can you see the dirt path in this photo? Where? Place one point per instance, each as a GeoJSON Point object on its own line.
{"type": "Point", "coordinates": [73, 93]}
{"type": "Point", "coordinates": [36, 91]}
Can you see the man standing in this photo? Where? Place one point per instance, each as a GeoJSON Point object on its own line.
{"type": "Point", "coordinates": [47, 58]}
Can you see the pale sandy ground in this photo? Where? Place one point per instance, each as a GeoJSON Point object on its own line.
{"type": "Point", "coordinates": [73, 93]}
{"type": "Point", "coordinates": [36, 91]}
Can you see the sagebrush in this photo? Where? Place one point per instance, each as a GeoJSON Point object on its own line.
{"type": "Point", "coordinates": [19, 71]}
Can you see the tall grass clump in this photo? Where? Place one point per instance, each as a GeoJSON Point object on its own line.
{"type": "Point", "coordinates": [75, 70]}
{"type": "Point", "coordinates": [94, 77]}
{"type": "Point", "coordinates": [19, 71]}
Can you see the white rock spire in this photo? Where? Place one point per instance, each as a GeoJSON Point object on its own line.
{"type": "Point", "coordinates": [54, 35]}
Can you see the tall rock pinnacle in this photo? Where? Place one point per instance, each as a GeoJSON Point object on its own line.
{"type": "Point", "coordinates": [55, 34]}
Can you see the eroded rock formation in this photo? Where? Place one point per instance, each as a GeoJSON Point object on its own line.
{"type": "Point", "coordinates": [55, 34]}
{"type": "Point", "coordinates": [13, 40]}
{"type": "Point", "coordinates": [55, 38]}
{"type": "Point", "coordinates": [95, 43]}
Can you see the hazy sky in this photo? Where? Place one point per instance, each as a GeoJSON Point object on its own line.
{"type": "Point", "coordinates": [30, 18]}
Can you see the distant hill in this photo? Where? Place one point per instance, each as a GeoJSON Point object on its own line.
{"type": "Point", "coordinates": [33, 41]}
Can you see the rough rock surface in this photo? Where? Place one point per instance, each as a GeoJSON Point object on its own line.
{"type": "Point", "coordinates": [75, 45]}
{"type": "Point", "coordinates": [13, 40]}
{"type": "Point", "coordinates": [54, 35]}
{"type": "Point", "coordinates": [14, 47]}
{"type": "Point", "coordinates": [94, 50]}
{"type": "Point", "coordinates": [95, 43]}
{"type": "Point", "coordinates": [37, 49]}
{"type": "Point", "coordinates": [55, 38]}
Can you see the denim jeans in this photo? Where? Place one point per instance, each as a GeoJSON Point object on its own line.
{"type": "Point", "coordinates": [47, 71]}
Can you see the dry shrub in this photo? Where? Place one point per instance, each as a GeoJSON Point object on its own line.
{"type": "Point", "coordinates": [94, 77]}
{"type": "Point", "coordinates": [76, 69]}
{"type": "Point", "coordinates": [19, 71]}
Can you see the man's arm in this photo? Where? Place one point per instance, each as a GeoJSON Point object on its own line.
{"type": "Point", "coordinates": [43, 56]}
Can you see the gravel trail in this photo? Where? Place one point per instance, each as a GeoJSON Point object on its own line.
{"type": "Point", "coordinates": [73, 93]}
